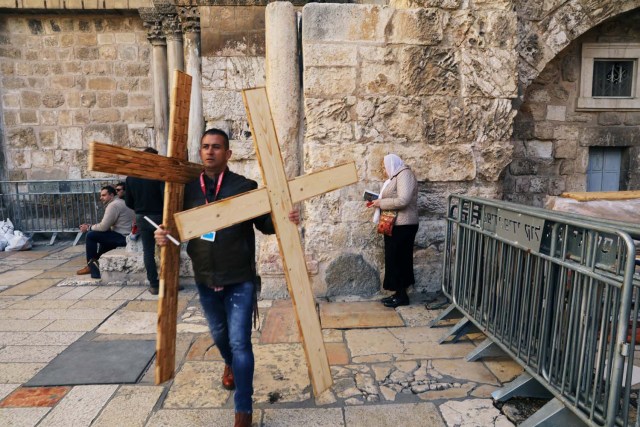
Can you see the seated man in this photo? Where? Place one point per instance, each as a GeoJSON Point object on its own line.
{"type": "Point", "coordinates": [110, 233]}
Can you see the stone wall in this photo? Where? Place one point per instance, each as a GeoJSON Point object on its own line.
{"type": "Point", "coordinates": [68, 80]}
{"type": "Point", "coordinates": [552, 138]}
{"type": "Point", "coordinates": [433, 85]}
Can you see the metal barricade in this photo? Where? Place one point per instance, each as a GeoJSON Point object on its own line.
{"type": "Point", "coordinates": [51, 206]}
{"type": "Point", "coordinates": [556, 292]}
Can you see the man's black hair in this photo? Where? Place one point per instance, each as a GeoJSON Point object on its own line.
{"type": "Point", "coordinates": [121, 184]}
{"type": "Point", "coordinates": [109, 189]}
{"type": "Point", "coordinates": [150, 150]}
{"type": "Point", "coordinates": [215, 131]}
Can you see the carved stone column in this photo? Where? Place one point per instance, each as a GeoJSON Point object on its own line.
{"type": "Point", "coordinates": [153, 24]}
{"type": "Point", "coordinates": [175, 55]}
{"type": "Point", "coordinates": [190, 20]}
{"type": "Point", "coordinates": [283, 80]}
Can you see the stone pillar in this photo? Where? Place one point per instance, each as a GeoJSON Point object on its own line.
{"type": "Point", "coordinates": [190, 20]}
{"type": "Point", "coordinates": [153, 24]}
{"type": "Point", "coordinates": [175, 55]}
{"type": "Point", "coordinates": [283, 81]}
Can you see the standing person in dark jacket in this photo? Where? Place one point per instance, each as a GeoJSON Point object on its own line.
{"type": "Point", "coordinates": [145, 197]}
{"type": "Point", "coordinates": [224, 268]}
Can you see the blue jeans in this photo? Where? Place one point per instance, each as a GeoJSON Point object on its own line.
{"type": "Point", "coordinates": [108, 241]}
{"type": "Point", "coordinates": [228, 313]}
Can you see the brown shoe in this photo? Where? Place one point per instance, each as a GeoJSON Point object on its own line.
{"type": "Point", "coordinates": [228, 381]}
{"type": "Point", "coordinates": [243, 419]}
{"type": "Point", "coordinates": [85, 270]}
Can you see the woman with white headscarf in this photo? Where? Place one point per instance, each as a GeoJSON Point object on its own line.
{"type": "Point", "coordinates": [399, 193]}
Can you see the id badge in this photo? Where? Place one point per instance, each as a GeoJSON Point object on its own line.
{"type": "Point", "coordinates": [209, 237]}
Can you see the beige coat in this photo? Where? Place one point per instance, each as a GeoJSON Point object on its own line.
{"type": "Point", "coordinates": [401, 194]}
{"type": "Point", "coordinates": [117, 217]}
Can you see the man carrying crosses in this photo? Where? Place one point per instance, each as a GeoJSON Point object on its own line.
{"type": "Point", "coordinates": [225, 270]}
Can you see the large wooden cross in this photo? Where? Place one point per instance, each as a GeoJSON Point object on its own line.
{"type": "Point", "coordinates": [176, 171]}
{"type": "Point", "coordinates": [278, 198]}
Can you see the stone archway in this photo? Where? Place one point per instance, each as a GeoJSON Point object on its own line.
{"type": "Point", "coordinates": [555, 138]}
{"type": "Point", "coordinates": [545, 33]}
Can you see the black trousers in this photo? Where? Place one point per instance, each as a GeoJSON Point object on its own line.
{"type": "Point", "coordinates": [149, 246]}
{"type": "Point", "coordinates": [398, 258]}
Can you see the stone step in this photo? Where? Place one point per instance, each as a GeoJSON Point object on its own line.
{"type": "Point", "coordinates": [126, 265]}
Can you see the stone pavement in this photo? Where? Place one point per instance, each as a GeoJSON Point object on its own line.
{"type": "Point", "coordinates": [384, 376]}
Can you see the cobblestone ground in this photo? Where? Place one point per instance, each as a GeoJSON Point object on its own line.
{"type": "Point", "coordinates": [384, 376]}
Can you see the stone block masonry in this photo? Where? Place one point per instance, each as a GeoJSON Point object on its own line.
{"type": "Point", "coordinates": [69, 80]}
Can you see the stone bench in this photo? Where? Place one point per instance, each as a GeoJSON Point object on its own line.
{"type": "Point", "coordinates": [126, 265]}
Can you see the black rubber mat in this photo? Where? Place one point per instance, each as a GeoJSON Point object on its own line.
{"type": "Point", "coordinates": [97, 362]}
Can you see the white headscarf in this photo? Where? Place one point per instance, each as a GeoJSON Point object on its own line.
{"type": "Point", "coordinates": [392, 164]}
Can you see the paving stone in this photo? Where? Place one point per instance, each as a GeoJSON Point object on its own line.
{"type": "Point", "coordinates": [337, 353]}
{"type": "Point", "coordinates": [280, 326]}
{"type": "Point", "coordinates": [27, 255]}
{"type": "Point", "coordinates": [31, 287]}
{"type": "Point", "coordinates": [51, 293]}
{"type": "Point", "coordinates": [203, 349]}
{"type": "Point", "coordinates": [422, 343]}
{"type": "Point", "coordinates": [281, 369]}
{"type": "Point", "coordinates": [128, 293]}
{"type": "Point", "coordinates": [70, 325]}
{"type": "Point", "coordinates": [130, 322]}
{"type": "Point", "coordinates": [504, 368]}
{"type": "Point", "coordinates": [41, 304]}
{"type": "Point", "coordinates": [365, 314]}
{"type": "Point", "coordinates": [102, 292]}
{"type": "Point", "coordinates": [24, 325]}
{"type": "Point", "coordinates": [393, 415]}
{"type": "Point", "coordinates": [372, 341]}
{"type": "Point", "coordinates": [417, 315]}
{"type": "Point", "coordinates": [50, 338]}
{"type": "Point", "coordinates": [484, 391]}
{"type": "Point", "coordinates": [303, 417]}
{"type": "Point", "coordinates": [22, 417]}
{"type": "Point", "coordinates": [97, 303]}
{"type": "Point", "coordinates": [29, 353]}
{"type": "Point", "coordinates": [5, 389]}
{"type": "Point", "coordinates": [472, 413]}
{"type": "Point", "coordinates": [83, 313]}
{"type": "Point", "coordinates": [145, 306]}
{"type": "Point", "coordinates": [191, 328]}
{"type": "Point", "coordinates": [43, 264]}
{"type": "Point", "coordinates": [130, 407]}
{"type": "Point", "coordinates": [197, 385]}
{"type": "Point", "coordinates": [78, 292]}
{"type": "Point", "coordinates": [332, 335]}
{"type": "Point", "coordinates": [326, 398]}
{"type": "Point", "coordinates": [34, 396]}
{"type": "Point", "coordinates": [80, 406]}
{"type": "Point", "coordinates": [192, 418]}
{"type": "Point", "coordinates": [459, 391]}
{"type": "Point", "coordinates": [17, 314]}
{"type": "Point", "coordinates": [13, 277]}
{"type": "Point", "coordinates": [18, 372]}
{"type": "Point", "coordinates": [471, 371]}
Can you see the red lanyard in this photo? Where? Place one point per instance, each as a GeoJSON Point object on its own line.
{"type": "Point", "coordinates": [203, 187]}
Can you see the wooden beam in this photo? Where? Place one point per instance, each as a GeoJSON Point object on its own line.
{"type": "Point", "coordinates": [195, 222]}
{"type": "Point", "coordinates": [295, 268]}
{"type": "Point", "coordinates": [315, 183]}
{"type": "Point", "coordinates": [125, 161]}
{"type": "Point", "coordinates": [170, 254]}
{"type": "Point", "coordinates": [586, 196]}
{"type": "Point", "coordinates": [224, 213]}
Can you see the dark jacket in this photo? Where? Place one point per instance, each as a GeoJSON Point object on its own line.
{"type": "Point", "coordinates": [144, 196]}
{"type": "Point", "coordinates": [231, 257]}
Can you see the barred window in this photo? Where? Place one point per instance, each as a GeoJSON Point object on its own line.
{"type": "Point", "coordinates": [612, 78]}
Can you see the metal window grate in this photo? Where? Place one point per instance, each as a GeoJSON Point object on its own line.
{"type": "Point", "coordinates": [612, 78]}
